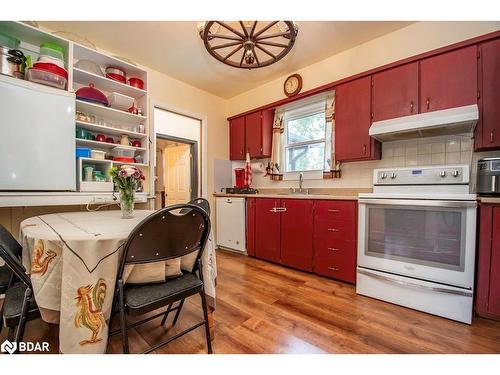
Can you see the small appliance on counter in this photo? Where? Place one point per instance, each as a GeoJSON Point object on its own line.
{"type": "Point", "coordinates": [239, 174]}
{"type": "Point", "coordinates": [237, 190]}
{"type": "Point", "coordinates": [488, 176]}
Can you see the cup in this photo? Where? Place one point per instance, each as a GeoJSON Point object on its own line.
{"type": "Point", "coordinates": [87, 173]}
{"type": "Point", "coordinates": [81, 133]}
{"type": "Point", "coordinates": [124, 140]}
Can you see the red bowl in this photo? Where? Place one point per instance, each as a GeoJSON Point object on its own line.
{"type": "Point", "coordinates": [123, 159]}
{"type": "Point", "coordinates": [116, 77]}
{"type": "Point", "coordinates": [53, 68]}
{"type": "Point", "coordinates": [136, 82]}
{"type": "Point", "coordinates": [100, 138]}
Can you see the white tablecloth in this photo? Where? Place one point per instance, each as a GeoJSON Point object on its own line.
{"type": "Point", "coordinates": [73, 259]}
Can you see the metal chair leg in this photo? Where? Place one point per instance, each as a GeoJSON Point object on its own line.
{"type": "Point", "coordinates": [164, 319]}
{"type": "Point", "coordinates": [205, 316]}
{"type": "Point", "coordinates": [11, 334]}
{"type": "Point", "coordinates": [123, 320]}
{"type": "Point", "coordinates": [24, 316]}
{"type": "Point", "coordinates": [1, 317]}
{"type": "Point", "coordinates": [179, 308]}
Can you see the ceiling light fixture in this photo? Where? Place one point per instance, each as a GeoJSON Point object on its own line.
{"type": "Point", "coordinates": [248, 44]}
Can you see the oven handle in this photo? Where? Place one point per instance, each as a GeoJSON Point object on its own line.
{"type": "Point", "coordinates": [413, 285]}
{"type": "Point", "coordinates": [419, 202]}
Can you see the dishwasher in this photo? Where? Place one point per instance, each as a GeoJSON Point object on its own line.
{"type": "Point", "coordinates": [230, 221]}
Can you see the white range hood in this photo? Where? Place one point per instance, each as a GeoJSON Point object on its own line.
{"type": "Point", "coordinates": [447, 121]}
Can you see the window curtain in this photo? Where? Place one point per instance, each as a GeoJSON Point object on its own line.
{"type": "Point", "coordinates": [330, 162]}
{"type": "Point", "coordinates": [277, 165]}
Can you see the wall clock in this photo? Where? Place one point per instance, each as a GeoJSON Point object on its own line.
{"type": "Point", "coordinates": [292, 85]}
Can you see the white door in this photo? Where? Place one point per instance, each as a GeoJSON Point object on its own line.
{"type": "Point", "coordinates": [178, 174]}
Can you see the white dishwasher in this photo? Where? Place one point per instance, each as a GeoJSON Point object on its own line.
{"type": "Point", "coordinates": [231, 219]}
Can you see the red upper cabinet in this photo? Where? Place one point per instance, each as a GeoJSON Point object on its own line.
{"type": "Point", "coordinates": [488, 127]}
{"type": "Point", "coordinates": [258, 133]}
{"type": "Point", "coordinates": [267, 229]}
{"type": "Point", "coordinates": [449, 80]}
{"type": "Point", "coordinates": [352, 121]}
{"type": "Point", "coordinates": [395, 92]}
{"type": "Point", "coordinates": [297, 233]}
{"type": "Point", "coordinates": [250, 203]}
{"type": "Point", "coordinates": [237, 138]}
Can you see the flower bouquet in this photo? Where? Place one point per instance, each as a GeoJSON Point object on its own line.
{"type": "Point", "coordinates": [127, 179]}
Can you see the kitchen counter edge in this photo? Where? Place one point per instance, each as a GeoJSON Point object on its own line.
{"type": "Point", "coordinates": [290, 196]}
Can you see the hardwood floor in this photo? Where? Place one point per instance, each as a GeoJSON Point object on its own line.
{"type": "Point", "coordinates": [266, 308]}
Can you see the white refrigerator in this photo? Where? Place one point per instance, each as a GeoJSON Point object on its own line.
{"type": "Point", "coordinates": [37, 131]}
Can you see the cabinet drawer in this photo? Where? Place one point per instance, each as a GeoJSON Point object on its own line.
{"type": "Point", "coordinates": [337, 260]}
{"type": "Point", "coordinates": [335, 230]}
{"type": "Point", "coordinates": [335, 210]}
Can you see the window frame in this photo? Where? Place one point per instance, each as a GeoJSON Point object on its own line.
{"type": "Point", "coordinates": [300, 111]}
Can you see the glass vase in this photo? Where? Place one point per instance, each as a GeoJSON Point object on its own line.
{"type": "Point", "coordinates": [127, 204]}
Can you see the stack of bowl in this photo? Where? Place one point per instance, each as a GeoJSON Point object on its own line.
{"type": "Point", "coordinates": [49, 69]}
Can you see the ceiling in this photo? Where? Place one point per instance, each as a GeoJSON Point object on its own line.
{"type": "Point", "coordinates": [175, 48]}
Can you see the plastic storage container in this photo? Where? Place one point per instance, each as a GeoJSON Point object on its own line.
{"type": "Point", "coordinates": [83, 152]}
{"type": "Point", "coordinates": [46, 78]}
{"type": "Point", "coordinates": [52, 49]}
{"type": "Point", "coordinates": [123, 154]}
{"type": "Point", "coordinates": [97, 154]}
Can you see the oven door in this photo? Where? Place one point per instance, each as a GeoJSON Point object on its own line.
{"type": "Point", "coordinates": [424, 239]}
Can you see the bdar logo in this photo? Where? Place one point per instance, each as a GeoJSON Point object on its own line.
{"type": "Point", "coordinates": [9, 347]}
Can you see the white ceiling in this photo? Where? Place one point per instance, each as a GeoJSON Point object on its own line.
{"type": "Point", "coordinates": [175, 48]}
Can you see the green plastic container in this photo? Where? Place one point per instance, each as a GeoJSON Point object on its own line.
{"type": "Point", "coordinates": [9, 41]}
{"type": "Point", "coordinates": [52, 49]}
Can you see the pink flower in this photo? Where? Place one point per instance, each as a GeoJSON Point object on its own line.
{"type": "Point", "coordinates": [136, 175]}
{"type": "Point", "coordinates": [122, 173]}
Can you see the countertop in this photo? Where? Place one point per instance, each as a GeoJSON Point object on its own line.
{"type": "Point", "coordinates": [320, 194]}
{"type": "Point", "coordinates": [487, 199]}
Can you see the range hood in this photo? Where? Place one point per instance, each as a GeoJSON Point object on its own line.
{"type": "Point", "coordinates": [445, 122]}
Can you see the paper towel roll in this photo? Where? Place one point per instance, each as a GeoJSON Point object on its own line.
{"type": "Point", "coordinates": [258, 167]}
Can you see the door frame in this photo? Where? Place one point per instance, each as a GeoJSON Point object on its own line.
{"type": "Point", "coordinates": [193, 146]}
{"type": "Point", "coordinates": [203, 173]}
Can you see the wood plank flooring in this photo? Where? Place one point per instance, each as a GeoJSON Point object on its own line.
{"type": "Point", "coordinates": [266, 308]}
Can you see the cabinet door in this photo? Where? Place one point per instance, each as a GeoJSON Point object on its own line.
{"type": "Point", "coordinates": [267, 133]}
{"type": "Point", "coordinates": [494, 290]}
{"type": "Point", "coordinates": [352, 121]}
{"type": "Point", "coordinates": [251, 226]}
{"type": "Point", "coordinates": [237, 138]}
{"type": "Point", "coordinates": [488, 127]}
{"type": "Point", "coordinates": [395, 92]}
{"type": "Point", "coordinates": [448, 80]}
{"type": "Point", "coordinates": [253, 134]}
{"type": "Point", "coordinates": [267, 229]}
{"type": "Point", "coordinates": [297, 233]}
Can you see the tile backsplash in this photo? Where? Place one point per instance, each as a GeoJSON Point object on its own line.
{"type": "Point", "coordinates": [442, 150]}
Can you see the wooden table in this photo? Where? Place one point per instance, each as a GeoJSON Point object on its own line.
{"type": "Point", "coordinates": [72, 257]}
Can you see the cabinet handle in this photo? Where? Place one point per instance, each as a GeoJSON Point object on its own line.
{"type": "Point", "coordinates": [364, 149]}
{"type": "Point", "coordinates": [332, 210]}
{"type": "Point", "coordinates": [333, 249]}
{"type": "Point", "coordinates": [411, 106]}
{"type": "Point", "coordinates": [428, 102]}
{"type": "Point", "coordinates": [492, 135]}
{"type": "Point", "coordinates": [333, 230]}
{"type": "Point", "coordinates": [333, 269]}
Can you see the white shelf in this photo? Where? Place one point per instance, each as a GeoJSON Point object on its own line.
{"type": "Point", "coordinates": [97, 161]}
{"type": "Point", "coordinates": [110, 114]}
{"type": "Point", "coordinates": [134, 164]}
{"type": "Point", "coordinates": [91, 143]}
{"type": "Point", "coordinates": [108, 129]}
{"type": "Point", "coordinates": [105, 84]}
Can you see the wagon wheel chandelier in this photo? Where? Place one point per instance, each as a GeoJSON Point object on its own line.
{"type": "Point", "coordinates": [248, 44]}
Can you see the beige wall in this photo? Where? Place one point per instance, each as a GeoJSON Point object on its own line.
{"type": "Point", "coordinates": [409, 41]}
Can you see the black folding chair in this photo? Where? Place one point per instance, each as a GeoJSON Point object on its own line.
{"type": "Point", "coordinates": [19, 305]}
{"type": "Point", "coordinates": [166, 234]}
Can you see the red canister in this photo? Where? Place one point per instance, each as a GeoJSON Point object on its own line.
{"type": "Point", "coordinates": [240, 177]}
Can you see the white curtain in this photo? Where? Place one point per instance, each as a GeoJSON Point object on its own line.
{"type": "Point", "coordinates": [277, 165]}
{"type": "Point", "coordinates": [330, 131]}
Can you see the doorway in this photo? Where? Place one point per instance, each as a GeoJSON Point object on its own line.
{"type": "Point", "coordinates": [176, 171]}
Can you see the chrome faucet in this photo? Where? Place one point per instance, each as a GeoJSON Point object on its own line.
{"type": "Point", "coordinates": [300, 190]}
{"type": "Point", "coordinates": [301, 180]}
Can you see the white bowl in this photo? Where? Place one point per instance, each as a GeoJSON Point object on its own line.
{"type": "Point", "coordinates": [120, 101]}
{"type": "Point", "coordinates": [51, 60]}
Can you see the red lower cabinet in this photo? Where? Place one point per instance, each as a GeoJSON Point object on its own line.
{"type": "Point", "coordinates": [310, 235]}
{"type": "Point", "coordinates": [488, 268]}
{"type": "Point", "coordinates": [297, 233]}
{"type": "Point", "coordinates": [250, 203]}
{"type": "Point", "coordinates": [267, 229]}
{"type": "Point", "coordinates": [335, 239]}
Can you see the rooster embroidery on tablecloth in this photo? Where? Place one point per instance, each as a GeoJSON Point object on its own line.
{"type": "Point", "coordinates": [39, 265]}
{"type": "Point", "coordinates": [89, 301]}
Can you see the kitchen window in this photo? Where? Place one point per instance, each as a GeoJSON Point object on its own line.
{"type": "Point", "coordinates": [307, 140]}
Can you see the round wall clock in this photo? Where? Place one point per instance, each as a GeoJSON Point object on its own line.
{"type": "Point", "coordinates": [292, 85]}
